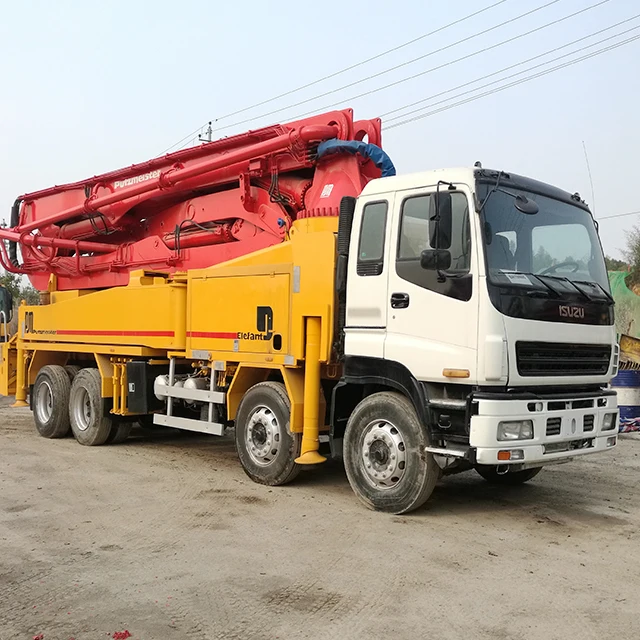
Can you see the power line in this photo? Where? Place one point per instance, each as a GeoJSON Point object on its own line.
{"type": "Point", "coordinates": [446, 64]}
{"type": "Point", "coordinates": [513, 84]}
{"type": "Point", "coordinates": [385, 71]}
{"type": "Point", "coordinates": [371, 59]}
{"type": "Point", "coordinates": [341, 71]}
{"type": "Point", "coordinates": [618, 215]}
{"type": "Point", "coordinates": [512, 66]}
{"type": "Point", "coordinates": [513, 75]}
{"type": "Point", "coordinates": [188, 138]}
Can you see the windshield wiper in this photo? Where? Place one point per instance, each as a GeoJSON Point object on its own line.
{"type": "Point", "coordinates": [546, 285]}
{"type": "Point", "coordinates": [607, 295]}
{"type": "Point", "coordinates": [583, 293]}
{"type": "Point", "coordinates": [555, 292]}
{"type": "Point", "coordinates": [541, 277]}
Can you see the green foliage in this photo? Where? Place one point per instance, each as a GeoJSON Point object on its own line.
{"type": "Point", "coordinates": [13, 284]}
{"type": "Point", "coordinates": [615, 265]}
{"type": "Point", "coordinates": [632, 251]}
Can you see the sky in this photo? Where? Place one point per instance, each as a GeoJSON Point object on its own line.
{"type": "Point", "coordinates": [89, 87]}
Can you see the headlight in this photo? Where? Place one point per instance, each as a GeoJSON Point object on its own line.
{"type": "Point", "coordinates": [609, 421]}
{"type": "Point", "coordinates": [515, 430]}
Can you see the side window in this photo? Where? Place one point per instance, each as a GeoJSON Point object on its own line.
{"type": "Point", "coordinates": [414, 228]}
{"type": "Point", "coordinates": [371, 245]}
{"type": "Point", "coordinates": [416, 234]}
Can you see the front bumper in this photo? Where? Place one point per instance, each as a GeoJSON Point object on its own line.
{"type": "Point", "coordinates": [564, 427]}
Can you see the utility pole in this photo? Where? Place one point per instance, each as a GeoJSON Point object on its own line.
{"type": "Point", "coordinates": [208, 134]}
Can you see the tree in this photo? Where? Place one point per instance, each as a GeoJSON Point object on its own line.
{"type": "Point", "coordinates": [13, 283]}
{"type": "Point", "coordinates": [30, 295]}
{"type": "Point", "coordinates": [615, 265]}
{"type": "Point", "coordinates": [542, 259]}
{"type": "Point", "coordinates": [632, 251]}
{"type": "Point", "coordinates": [632, 255]}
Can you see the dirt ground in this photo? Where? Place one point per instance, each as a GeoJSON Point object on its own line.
{"type": "Point", "coordinates": [167, 538]}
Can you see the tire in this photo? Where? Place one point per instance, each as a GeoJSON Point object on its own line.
{"type": "Point", "coordinates": [385, 437]}
{"type": "Point", "coordinates": [72, 371]}
{"type": "Point", "coordinates": [147, 425]}
{"type": "Point", "coordinates": [86, 412]}
{"type": "Point", "coordinates": [51, 402]}
{"type": "Point", "coordinates": [119, 432]}
{"type": "Point", "coordinates": [266, 447]}
{"type": "Point", "coordinates": [512, 478]}
{"type": "Point", "coordinates": [146, 422]}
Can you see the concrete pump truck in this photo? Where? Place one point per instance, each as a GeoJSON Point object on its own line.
{"type": "Point", "coordinates": [286, 284]}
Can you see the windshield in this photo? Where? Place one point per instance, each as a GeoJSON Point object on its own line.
{"type": "Point", "coordinates": [560, 242]}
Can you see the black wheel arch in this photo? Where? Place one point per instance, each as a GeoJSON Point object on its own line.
{"type": "Point", "coordinates": [363, 376]}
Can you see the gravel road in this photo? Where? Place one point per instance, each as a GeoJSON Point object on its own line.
{"type": "Point", "coordinates": [167, 538]}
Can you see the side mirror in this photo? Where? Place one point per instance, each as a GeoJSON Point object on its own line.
{"type": "Point", "coordinates": [440, 231]}
{"type": "Point", "coordinates": [435, 259]}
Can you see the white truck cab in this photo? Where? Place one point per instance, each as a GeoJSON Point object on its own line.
{"type": "Point", "coordinates": [483, 297]}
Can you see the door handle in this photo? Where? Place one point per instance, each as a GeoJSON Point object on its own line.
{"type": "Point", "coordinates": [399, 300]}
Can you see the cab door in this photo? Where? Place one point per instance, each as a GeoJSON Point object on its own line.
{"type": "Point", "coordinates": [367, 281]}
{"type": "Point", "coordinates": [432, 315]}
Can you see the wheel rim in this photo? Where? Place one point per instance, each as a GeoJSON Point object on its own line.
{"type": "Point", "coordinates": [82, 409]}
{"type": "Point", "coordinates": [263, 437]}
{"type": "Point", "coordinates": [44, 402]}
{"type": "Point", "coordinates": [383, 454]}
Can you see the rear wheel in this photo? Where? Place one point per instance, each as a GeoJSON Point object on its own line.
{"type": "Point", "coordinates": [72, 371]}
{"type": "Point", "coordinates": [86, 411]}
{"type": "Point", "coordinates": [119, 432]}
{"type": "Point", "coordinates": [511, 478]}
{"type": "Point", "coordinates": [266, 447]}
{"type": "Point", "coordinates": [146, 423]}
{"type": "Point", "coordinates": [51, 402]}
{"type": "Point", "coordinates": [384, 455]}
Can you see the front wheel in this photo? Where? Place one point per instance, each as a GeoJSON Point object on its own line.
{"type": "Point", "coordinates": [511, 478]}
{"type": "Point", "coordinates": [384, 455]}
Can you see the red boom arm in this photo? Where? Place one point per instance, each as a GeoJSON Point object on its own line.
{"type": "Point", "coordinates": [189, 209]}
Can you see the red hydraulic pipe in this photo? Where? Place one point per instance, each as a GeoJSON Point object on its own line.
{"type": "Point", "coordinates": [82, 228]}
{"type": "Point", "coordinates": [58, 243]}
{"type": "Point", "coordinates": [169, 178]}
{"type": "Point", "coordinates": [220, 234]}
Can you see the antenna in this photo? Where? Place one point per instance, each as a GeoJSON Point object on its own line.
{"type": "Point", "coordinates": [593, 195]}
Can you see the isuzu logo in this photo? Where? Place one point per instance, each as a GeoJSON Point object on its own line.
{"type": "Point", "coordinates": [567, 311]}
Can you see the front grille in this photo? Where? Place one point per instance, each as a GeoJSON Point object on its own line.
{"type": "Point", "coordinates": [562, 359]}
{"type": "Point", "coordinates": [553, 426]}
{"type": "Point", "coordinates": [573, 445]}
{"type": "Point", "coordinates": [587, 423]}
